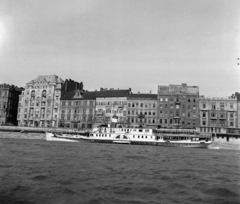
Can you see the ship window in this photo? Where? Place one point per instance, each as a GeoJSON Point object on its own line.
{"type": "Point", "coordinates": [140, 130]}
{"type": "Point", "coordinates": [138, 136]}
{"type": "Point", "coordinates": [118, 137]}
{"type": "Point", "coordinates": [124, 137]}
{"type": "Point", "coordinates": [133, 136]}
{"type": "Point", "coordinates": [146, 137]}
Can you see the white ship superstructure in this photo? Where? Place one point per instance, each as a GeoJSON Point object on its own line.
{"type": "Point", "coordinates": [163, 137]}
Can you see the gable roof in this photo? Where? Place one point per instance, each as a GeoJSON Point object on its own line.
{"type": "Point", "coordinates": [95, 94]}
{"type": "Point", "coordinates": [113, 93]}
{"type": "Point", "coordinates": [85, 95]}
{"type": "Point", "coordinates": [142, 96]}
{"type": "Point", "coordinates": [47, 78]}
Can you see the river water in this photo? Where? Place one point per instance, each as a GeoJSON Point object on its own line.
{"type": "Point", "coordinates": [37, 171]}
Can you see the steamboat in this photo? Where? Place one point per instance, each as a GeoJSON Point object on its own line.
{"type": "Point", "coordinates": [162, 137]}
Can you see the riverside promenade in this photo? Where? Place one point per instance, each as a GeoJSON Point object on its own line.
{"type": "Point", "coordinates": [19, 132]}
{"type": "Point", "coordinates": [226, 141]}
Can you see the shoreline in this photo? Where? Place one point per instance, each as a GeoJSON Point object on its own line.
{"type": "Point", "coordinates": [41, 136]}
{"type": "Point", "coordinates": [39, 129]}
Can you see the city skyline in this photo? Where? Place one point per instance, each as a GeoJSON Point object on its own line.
{"type": "Point", "coordinates": [123, 44]}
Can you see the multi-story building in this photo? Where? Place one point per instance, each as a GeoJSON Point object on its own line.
{"type": "Point", "coordinates": [77, 109]}
{"type": "Point", "coordinates": [217, 114]}
{"type": "Point", "coordinates": [111, 106]}
{"type": "Point", "coordinates": [9, 97]}
{"type": "Point", "coordinates": [178, 106]}
{"type": "Point", "coordinates": [142, 110]}
{"type": "Point", "coordinates": [39, 103]}
{"type": "Point", "coordinates": [238, 110]}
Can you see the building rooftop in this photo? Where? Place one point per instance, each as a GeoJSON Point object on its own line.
{"type": "Point", "coordinates": [47, 78]}
{"type": "Point", "coordinates": [142, 96]}
{"type": "Point", "coordinates": [218, 98]}
{"type": "Point", "coordinates": [96, 94]}
{"type": "Point", "coordinates": [84, 95]}
{"type": "Point", "coordinates": [103, 93]}
{"type": "Point", "coordinates": [11, 87]}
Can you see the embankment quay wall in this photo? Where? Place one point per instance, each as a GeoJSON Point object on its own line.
{"type": "Point", "coordinates": [22, 135]}
{"type": "Point", "coordinates": [18, 132]}
{"type": "Point", "coordinates": [38, 129]}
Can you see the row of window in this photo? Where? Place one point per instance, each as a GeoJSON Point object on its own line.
{"type": "Point", "coordinates": [220, 115]}
{"type": "Point", "coordinates": [141, 105]}
{"type": "Point", "coordinates": [134, 136]}
{"type": "Point", "coordinates": [109, 103]}
{"type": "Point", "coordinates": [210, 129]}
{"type": "Point", "coordinates": [177, 106]}
{"type": "Point", "coordinates": [171, 121]}
{"type": "Point", "coordinates": [31, 110]}
{"type": "Point", "coordinates": [124, 130]}
{"type": "Point", "coordinates": [42, 116]}
{"type": "Point", "coordinates": [133, 112]}
{"type": "Point", "coordinates": [78, 103]}
{"type": "Point", "coordinates": [177, 114]}
{"type": "Point", "coordinates": [221, 105]}
{"type": "Point", "coordinates": [218, 123]}
{"type": "Point", "coordinates": [155, 121]}
{"type": "Point", "coordinates": [75, 125]}
{"type": "Point", "coordinates": [142, 120]}
{"type": "Point", "coordinates": [109, 110]}
{"type": "Point", "coordinates": [178, 99]}
{"type": "Point", "coordinates": [43, 103]}
{"type": "Point", "coordinates": [77, 118]}
{"type": "Point", "coordinates": [77, 111]}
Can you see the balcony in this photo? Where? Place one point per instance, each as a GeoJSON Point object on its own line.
{"type": "Point", "coordinates": [213, 116]}
{"type": "Point", "coordinates": [222, 116]}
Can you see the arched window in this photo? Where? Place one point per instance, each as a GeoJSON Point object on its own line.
{"type": "Point", "coordinates": [33, 95]}
{"type": "Point", "coordinates": [44, 94]}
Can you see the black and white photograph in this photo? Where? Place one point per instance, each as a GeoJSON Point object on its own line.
{"type": "Point", "coordinates": [119, 101]}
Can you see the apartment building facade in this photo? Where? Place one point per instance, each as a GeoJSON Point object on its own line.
{"type": "Point", "coordinates": [40, 102]}
{"type": "Point", "coordinates": [178, 106]}
{"type": "Point", "coordinates": [218, 114]}
{"type": "Point", "coordinates": [142, 110]}
{"type": "Point", "coordinates": [77, 109]}
{"type": "Point", "coordinates": [9, 98]}
{"type": "Point", "coordinates": [111, 106]}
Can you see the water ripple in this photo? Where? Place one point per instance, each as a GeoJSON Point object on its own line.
{"type": "Point", "coordinates": [36, 171]}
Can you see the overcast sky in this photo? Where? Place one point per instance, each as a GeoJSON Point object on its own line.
{"type": "Point", "coordinates": [136, 44]}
